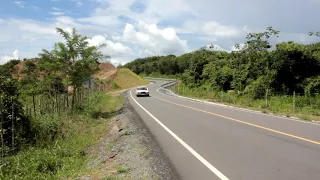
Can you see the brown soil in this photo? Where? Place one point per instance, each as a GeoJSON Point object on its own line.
{"type": "Point", "coordinates": [106, 71]}
{"type": "Point", "coordinates": [19, 68]}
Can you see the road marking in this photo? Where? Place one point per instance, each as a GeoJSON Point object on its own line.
{"type": "Point", "coordinates": [239, 109]}
{"type": "Point", "coordinates": [193, 152]}
{"type": "Point", "coordinates": [243, 122]}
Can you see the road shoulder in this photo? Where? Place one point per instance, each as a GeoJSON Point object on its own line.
{"type": "Point", "coordinates": [129, 151]}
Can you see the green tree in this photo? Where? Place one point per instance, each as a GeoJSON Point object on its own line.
{"type": "Point", "coordinates": [73, 59]}
{"type": "Point", "coordinates": [9, 68]}
{"type": "Point", "coordinates": [15, 127]}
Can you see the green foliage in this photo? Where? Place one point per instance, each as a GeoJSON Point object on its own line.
{"type": "Point", "coordinates": [60, 142]}
{"type": "Point", "coordinates": [42, 138]}
{"type": "Point", "coordinates": [46, 129]}
{"type": "Point", "coordinates": [9, 68]}
{"type": "Point", "coordinates": [312, 84]}
{"type": "Point", "coordinates": [73, 59]}
{"type": "Point", "coordinates": [277, 103]}
{"type": "Point", "coordinates": [123, 170]}
{"type": "Point", "coordinates": [114, 85]}
{"type": "Point", "coordinates": [15, 127]}
{"type": "Point", "coordinates": [285, 68]}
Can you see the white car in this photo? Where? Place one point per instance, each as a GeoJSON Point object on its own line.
{"type": "Point", "coordinates": [142, 91]}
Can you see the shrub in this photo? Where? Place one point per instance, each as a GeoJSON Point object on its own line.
{"type": "Point", "coordinates": [115, 85]}
{"type": "Point", "coordinates": [15, 125]}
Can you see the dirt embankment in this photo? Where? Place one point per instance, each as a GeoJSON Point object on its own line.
{"type": "Point", "coordinates": [106, 71]}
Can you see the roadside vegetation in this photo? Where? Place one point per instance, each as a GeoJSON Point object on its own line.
{"type": "Point", "coordinates": [125, 79]}
{"type": "Point", "coordinates": [59, 151]}
{"type": "Point", "coordinates": [282, 79]}
{"type": "Point", "coordinates": [302, 106]}
{"type": "Point", "coordinates": [50, 111]}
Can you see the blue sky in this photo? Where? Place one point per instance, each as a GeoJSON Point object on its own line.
{"type": "Point", "coordinates": [141, 28]}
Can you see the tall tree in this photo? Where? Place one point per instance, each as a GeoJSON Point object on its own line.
{"type": "Point", "coordinates": [74, 58]}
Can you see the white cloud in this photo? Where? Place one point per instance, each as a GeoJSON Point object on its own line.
{"type": "Point", "coordinates": [101, 20]}
{"type": "Point", "coordinates": [119, 52]}
{"type": "Point", "coordinates": [79, 4]}
{"type": "Point", "coordinates": [214, 47]}
{"type": "Point", "coordinates": [20, 3]}
{"type": "Point", "coordinates": [241, 46]}
{"type": "Point", "coordinates": [16, 54]}
{"type": "Point", "coordinates": [33, 26]}
{"type": "Point", "coordinates": [154, 12]}
{"type": "Point", "coordinates": [35, 8]}
{"type": "Point", "coordinates": [6, 58]}
{"type": "Point", "coordinates": [56, 9]}
{"type": "Point", "coordinates": [57, 13]}
{"type": "Point", "coordinates": [160, 28]}
{"type": "Point", "coordinates": [175, 8]}
{"type": "Point", "coordinates": [315, 1]}
{"type": "Point", "coordinates": [112, 48]}
{"type": "Point", "coordinates": [69, 30]}
{"type": "Point", "coordinates": [207, 38]}
{"type": "Point", "coordinates": [215, 29]}
{"type": "Point", "coordinates": [298, 37]}
{"type": "Point", "coordinates": [153, 40]}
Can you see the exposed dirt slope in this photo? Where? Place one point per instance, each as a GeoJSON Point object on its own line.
{"type": "Point", "coordinates": [106, 71]}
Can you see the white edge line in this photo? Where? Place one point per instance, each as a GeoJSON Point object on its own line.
{"type": "Point", "coordinates": [239, 109]}
{"type": "Point", "coordinates": [193, 152]}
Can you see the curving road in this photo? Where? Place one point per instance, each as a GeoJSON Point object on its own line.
{"type": "Point", "coordinates": [213, 142]}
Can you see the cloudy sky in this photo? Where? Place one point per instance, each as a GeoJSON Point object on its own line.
{"type": "Point", "coordinates": [141, 28]}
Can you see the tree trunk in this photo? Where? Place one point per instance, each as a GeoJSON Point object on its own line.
{"type": "Point", "coordinates": [67, 94]}
{"type": "Point", "coordinates": [57, 103]}
{"type": "Point", "coordinates": [12, 125]}
{"type": "Point", "coordinates": [73, 97]}
{"type": "Point", "coordinates": [34, 104]}
{"type": "Point", "coordinates": [1, 126]}
{"type": "Point", "coordinates": [78, 96]}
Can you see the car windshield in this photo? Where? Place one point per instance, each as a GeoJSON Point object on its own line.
{"type": "Point", "coordinates": [142, 88]}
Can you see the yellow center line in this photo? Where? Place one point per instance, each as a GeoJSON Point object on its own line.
{"type": "Point", "coordinates": [243, 122]}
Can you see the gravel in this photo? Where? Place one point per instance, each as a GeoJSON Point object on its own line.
{"type": "Point", "coordinates": [130, 145]}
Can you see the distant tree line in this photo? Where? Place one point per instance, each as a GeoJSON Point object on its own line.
{"type": "Point", "coordinates": [287, 67]}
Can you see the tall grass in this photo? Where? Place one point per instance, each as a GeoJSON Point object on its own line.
{"type": "Point", "coordinates": [125, 79]}
{"type": "Point", "coordinates": [276, 102]}
{"type": "Point", "coordinates": [60, 142]}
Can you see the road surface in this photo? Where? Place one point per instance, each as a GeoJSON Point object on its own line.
{"type": "Point", "coordinates": [205, 141]}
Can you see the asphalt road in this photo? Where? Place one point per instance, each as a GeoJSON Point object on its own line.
{"type": "Point", "coordinates": [205, 141]}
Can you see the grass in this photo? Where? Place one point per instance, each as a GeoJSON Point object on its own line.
{"type": "Point", "coordinates": [110, 146]}
{"type": "Point", "coordinates": [63, 155]}
{"type": "Point", "coordinates": [305, 107]}
{"type": "Point", "coordinates": [123, 170]}
{"type": "Point", "coordinates": [127, 79]}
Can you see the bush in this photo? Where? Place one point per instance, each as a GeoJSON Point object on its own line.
{"type": "Point", "coordinates": [115, 85]}
{"type": "Point", "coordinates": [39, 164]}
{"type": "Point", "coordinates": [46, 129]}
{"type": "Point", "coordinates": [17, 127]}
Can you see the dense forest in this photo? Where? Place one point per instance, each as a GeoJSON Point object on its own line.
{"type": "Point", "coordinates": [285, 68]}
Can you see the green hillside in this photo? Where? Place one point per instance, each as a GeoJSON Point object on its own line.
{"type": "Point", "coordinates": [125, 79]}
